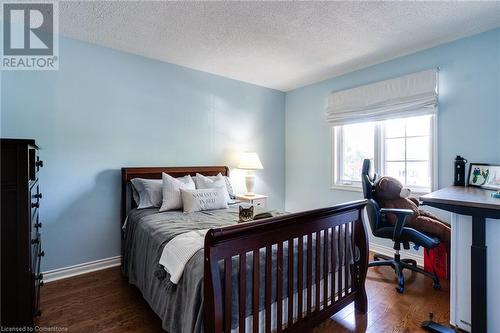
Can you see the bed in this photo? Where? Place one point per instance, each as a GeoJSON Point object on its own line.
{"type": "Point", "coordinates": [291, 270]}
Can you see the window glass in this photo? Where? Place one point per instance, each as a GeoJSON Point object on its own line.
{"type": "Point", "coordinates": [396, 170]}
{"type": "Point", "coordinates": [357, 144]}
{"type": "Point", "coordinates": [395, 149]}
{"type": "Point", "coordinates": [417, 148]}
{"type": "Point", "coordinates": [418, 126]}
{"type": "Point", "coordinates": [395, 128]}
{"type": "Point", "coordinates": [407, 157]}
{"type": "Point", "coordinates": [418, 174]}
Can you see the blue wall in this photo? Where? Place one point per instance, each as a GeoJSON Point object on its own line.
{"type": "Point", "coordinates": [106, 109]}
{"type": "Point", "coordinates": [468, 121]}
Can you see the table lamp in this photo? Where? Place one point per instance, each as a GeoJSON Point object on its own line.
{"type": "Point", "coordinates": [250, 162]}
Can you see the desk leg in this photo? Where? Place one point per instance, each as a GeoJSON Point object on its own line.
{"type": "Point", "coordinates": [478, 275]}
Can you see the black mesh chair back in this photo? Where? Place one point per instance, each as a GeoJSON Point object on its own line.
{"type": "Point", "coordinates": [367, 181]}
{"type": "Point", "coordinates": [373, 213]}
{"type": "Point", "coordinates": [372, 207]}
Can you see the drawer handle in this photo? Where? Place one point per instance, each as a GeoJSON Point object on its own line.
{"type": "Point", "coordinates": [38, 195]}
{"type": "Point", "coordinates": [39, 163]}
{"type": "Point", "coordinates": [35, 205]}
{"type": "Point", "coordinates": [35, 241]}
{"type": "Point", "coordinates": [41, 254]}
{"type": "Point", "coordinates": [38, 225]}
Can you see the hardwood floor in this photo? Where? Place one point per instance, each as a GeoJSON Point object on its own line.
{"type": "Point", "coordinates": [103, 301]}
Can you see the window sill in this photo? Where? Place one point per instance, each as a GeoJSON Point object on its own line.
{"type": "Point", "coordinates": [358, 188]}
{"type": "Point", "coordinates": [342, 187]}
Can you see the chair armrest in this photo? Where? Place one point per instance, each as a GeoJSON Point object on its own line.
{"type": "Point", "coordinates": [401, 215]}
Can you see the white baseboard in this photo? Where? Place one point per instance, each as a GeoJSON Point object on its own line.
{"type": "Point", "coordinates": [87, 267]}
{"type": "Point", "coordinates": [389, 251]}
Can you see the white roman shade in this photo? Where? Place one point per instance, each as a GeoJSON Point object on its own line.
{"type": "Point", "coordinates": [410, 95]}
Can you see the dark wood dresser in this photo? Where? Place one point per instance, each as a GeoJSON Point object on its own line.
{"type": "Point", "coordinates": [20, 227]}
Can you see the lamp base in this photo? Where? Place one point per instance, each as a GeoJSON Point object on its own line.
{"type": "Point", "coordinates": [250, 183]}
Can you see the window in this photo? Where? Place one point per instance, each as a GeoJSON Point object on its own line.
{"type": "Point", "coordinates": [401, 148]}
{"type": "Point", "coordinates": [355, 143]}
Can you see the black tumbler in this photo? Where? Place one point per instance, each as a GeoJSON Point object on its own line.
{"type": "Point", "coordinates": [459, 171]}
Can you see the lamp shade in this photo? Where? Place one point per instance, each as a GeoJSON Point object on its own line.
{"type": "Point", "coordinates": [250, 161]}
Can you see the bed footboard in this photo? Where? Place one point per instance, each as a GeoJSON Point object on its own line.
{"type": "Point", "coordinates": [287, 273]}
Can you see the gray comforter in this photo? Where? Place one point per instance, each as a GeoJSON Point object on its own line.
{"type": "Point", "coordinates": [180, 306]}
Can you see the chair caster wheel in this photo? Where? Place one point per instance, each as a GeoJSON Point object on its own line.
{"type": "Point", "coordinates": [400, 289]}
{"type": "Point", "coordinates": [436, 286]}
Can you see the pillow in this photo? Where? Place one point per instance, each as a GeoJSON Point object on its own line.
{"type": "Point", "coordinates": [203, 182]}
{"type": "Point", "coordinates": [171, 191]}
{"type": "Point", "coordinates": [229, 186]}
{"type": "Point", "coordinates": [204, 199]}
{"type": "Point", "coordinates": [146, 192]}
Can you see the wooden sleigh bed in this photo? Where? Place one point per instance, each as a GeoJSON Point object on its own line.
{"type": "Point", "coordinates": [296, 246]}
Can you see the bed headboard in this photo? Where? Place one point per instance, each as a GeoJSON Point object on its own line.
{"type": "Point", "coordinates": [127, 202]}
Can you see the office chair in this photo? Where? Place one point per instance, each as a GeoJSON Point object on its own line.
{"type": "Point", "coordinates": [399, 234]}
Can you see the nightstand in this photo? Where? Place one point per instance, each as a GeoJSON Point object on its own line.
{"type": "Point", "coordinates": [257, 200]}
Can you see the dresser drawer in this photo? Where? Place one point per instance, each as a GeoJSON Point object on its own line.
{"type": "Point", "coordinates": [38, 283]}
{"type": "Point", "coordinates": [257, 200]}
{"type": "Point", "coordinates": [35, 249]}
{"type": "Point", "coordinates": [36, 225]}
{"type": "Point", "coordinates": [35, 258]}
{"type": "Point", "coordinates": [35, 197]}
{"type": "Point", "coordinates": [37, 277]}
{"type": "Point", "coordinates": [34, 164]}
{"type": "Point", "coordinates": [34, 216]}
{"type": "Point", "coordinates": [35, 194]}
{"type": "Point", "coordinates": [259, 203]}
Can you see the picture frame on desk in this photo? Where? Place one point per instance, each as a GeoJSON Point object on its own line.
{"type": "Point", "coordinates": [484, 175]}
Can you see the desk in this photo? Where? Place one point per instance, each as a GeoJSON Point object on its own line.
{"type": "Point", "coordinates": [479, 204]}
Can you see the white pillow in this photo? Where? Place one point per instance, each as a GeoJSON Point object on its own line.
{"type": "Point", "coordinates": [204, 199]}
{"type": "Point", "coordinates": [203, 182]}
{"type": "Point", "coordinates": [146, 192]}
{"type": "Point", "coordinates": [229, 186]}
{"type": "Point", "coordinates": [171, 191]}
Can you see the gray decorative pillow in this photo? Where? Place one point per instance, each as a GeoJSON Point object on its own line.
{"type": "Point", "coordinates": [146, 192]}
{"type": "Point", "coordinates": [203, 199]}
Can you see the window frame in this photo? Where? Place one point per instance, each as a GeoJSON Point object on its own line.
{"type": "Point", "coordinates": [378, 158]}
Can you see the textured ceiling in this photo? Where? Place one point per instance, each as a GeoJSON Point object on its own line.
{"type": "Point", "coordinates": [281, 45]}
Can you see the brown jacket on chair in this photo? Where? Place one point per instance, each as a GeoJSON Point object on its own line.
{"type": "Point", "coordinates": [390, 193]}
